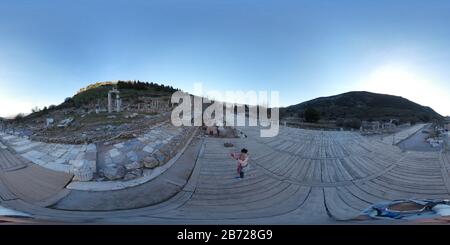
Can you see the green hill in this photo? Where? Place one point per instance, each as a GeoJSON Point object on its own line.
{"type": "Point", "coordinates": [364, 106]}
{"type": "Point", "coordinates": [128, 89]}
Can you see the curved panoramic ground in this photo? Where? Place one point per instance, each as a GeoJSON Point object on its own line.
{"type": "Point", "coordinates": [299, 177]}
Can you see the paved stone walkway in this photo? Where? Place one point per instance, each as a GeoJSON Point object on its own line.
{"type": "Point", "coordinates": [30, 182]}
{"type": "Point", "coordinates": [417, 142]}
{"type": "Point", "coordinates": [403, 134]}
{"type": "Point", "coordinates": [148, 193]}
{"type": "Point", "coordinates": [299, 177]}
{"type": "Point", "coordinates": [51, 156]}
{"type": "Point", "coordinates": [161, 138]}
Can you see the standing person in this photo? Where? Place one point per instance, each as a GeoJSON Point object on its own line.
{"type": "Point", "coordinates": [242, 161]}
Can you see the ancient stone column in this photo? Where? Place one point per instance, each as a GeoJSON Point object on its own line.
{"type": "Point", "coordinates": [110, 109]}
{"type": "Point", "coordinates": [118, 102]}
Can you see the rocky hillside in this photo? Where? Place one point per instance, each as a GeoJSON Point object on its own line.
{"type": "Point", "coordinates": [364, 106]}
{"type": "Point", "coordinates": [85, 118]}
{"type": "Point", "coordinates": [88, 98]}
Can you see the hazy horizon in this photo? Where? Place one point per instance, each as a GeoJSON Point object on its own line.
{"type": "Point", "coordinates": [303, 49]}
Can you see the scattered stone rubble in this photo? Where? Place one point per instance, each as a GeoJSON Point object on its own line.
{"type": "Point", "coordinates": [65, 123]}
{"type": "Point", "coordinates": [114, 172]}
{"type": "Point", "coordinates": [435, 142]}
{"type": "Point", "coordinates": [83, 170]}
{"type": "Point", "coordinates": [82, 133]}
{"type": "Point", "coordinates": [221, 132]}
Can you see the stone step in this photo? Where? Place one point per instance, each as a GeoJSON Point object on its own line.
{"type": "Point", "coordinates": [5, 193]}
{"type": "Point", "coordinates": [336, 207]}
{"type": "Point", "coordinates": [9, 162]}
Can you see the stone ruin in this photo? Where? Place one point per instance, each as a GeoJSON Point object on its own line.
{"type": "Point", "coordinates": [49, 122]}
{"type": "Point", "coordinates": [221, 132]}
{"type": "Point", "coordinates": [65, 122]}
{"type": "Point", "coordinates": [150, 105]}
{"type": "Point", "coordinates": [142, 104]}
{"type": "Point", "coordinates": [212, 130]}
{"type": "Point", "coordinates": [83, 169]}
{"type": "Point", "coordinates": [377, 127]}
{"type": "Point", "coordinates": [118, 100]}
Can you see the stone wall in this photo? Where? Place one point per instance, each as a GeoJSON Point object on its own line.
{"type": "Point", "coordinates": [127, 160]}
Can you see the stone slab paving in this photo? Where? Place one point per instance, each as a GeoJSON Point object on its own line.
{"type": "Point", "coordinates": [56, 157]}
{"type": "Point", "coordinates": [403, 134]}
{"type": "Point", "coordinates": [136, 149]}
{"type": "Point", "coordinates": [10, 162]}
{"type": "Point", "coordinates": [298, 177]}
{"type": "Point", "coordinates": [33, 183]}
{"type": "Point", "coordinates": [137, 160]}
{"type": "Point", "coordinates": [157, 190]}
{"type": "Point", "coordinates": [163, 139]}
{"type": "Point", "coordinates": [148, 174]}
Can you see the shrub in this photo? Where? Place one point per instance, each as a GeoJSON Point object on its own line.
{"type": "Point", "coordinates": [35, 109]}
{"type": "Point", "coordinates": [353, 123]}
{"type": "Point", "coordinates": [19, 117]}
{"type": "Point", "coordinates": [340, 122]}
{"type": "Point", "coordinates": [312, 115]}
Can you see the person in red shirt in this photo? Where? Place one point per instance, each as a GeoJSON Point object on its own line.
{"type": "Point", "coordinates": [242, 161]}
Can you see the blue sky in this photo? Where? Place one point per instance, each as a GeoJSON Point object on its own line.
{"type": "Point", "coordinates": [303, 49]}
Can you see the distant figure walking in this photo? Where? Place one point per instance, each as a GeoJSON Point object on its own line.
{"type": "Point", "coordinates": [242, 161]}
